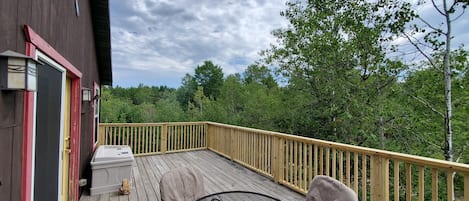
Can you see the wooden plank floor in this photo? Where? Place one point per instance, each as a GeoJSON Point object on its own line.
{"type": "Point", "coordinates": [220, 174]}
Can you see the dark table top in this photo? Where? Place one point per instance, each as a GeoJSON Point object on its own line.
{"type": "Point", "coordinates": [237, 196]}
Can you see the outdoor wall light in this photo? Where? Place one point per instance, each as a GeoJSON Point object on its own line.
{"type": "Point", "coordinates": [86, 94]}
{"type": "Point", "coordinates": [17, 71]}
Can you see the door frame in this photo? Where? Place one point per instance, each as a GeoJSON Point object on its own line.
{"type": "Point", "coordinates": [45, 59]}
{"type": "Point", "coordinates": [35, 46]}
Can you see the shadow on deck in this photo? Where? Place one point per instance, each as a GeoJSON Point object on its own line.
{"type": "Point", "coordinates": [220, 174]}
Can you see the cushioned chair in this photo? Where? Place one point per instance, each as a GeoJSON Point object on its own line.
{"type": "Point", "coordinates": [324, 188]}
{"type": "Point", "coordinates": [182, 184]}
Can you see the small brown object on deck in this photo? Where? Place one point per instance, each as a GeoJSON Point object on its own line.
{"type": "Point", "coordinates": [125, 189]}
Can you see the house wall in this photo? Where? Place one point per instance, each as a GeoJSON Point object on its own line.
{"type": "Point", "coordinates": [70, 35]}
{"type": "Point", "coordinates": [11, 116]}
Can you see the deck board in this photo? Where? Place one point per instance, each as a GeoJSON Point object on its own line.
{"type": "Point", "coordinates": [220, 174]}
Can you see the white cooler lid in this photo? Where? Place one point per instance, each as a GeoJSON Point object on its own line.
{"type": "Point", "coordinates": [113, 152]}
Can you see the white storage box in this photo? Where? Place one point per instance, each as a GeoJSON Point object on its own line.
{"type": "Point", "coordinates": [109, 166]}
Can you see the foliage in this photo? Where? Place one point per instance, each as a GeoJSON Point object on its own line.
{"type": "Point", "coordinates": [342, 84]}
{"type": "Point", "coordinates": [210, 77]}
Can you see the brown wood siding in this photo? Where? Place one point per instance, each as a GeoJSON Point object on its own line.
{"type": "Point", "coordinates": [70, 35]}
{"type": "Point", "coordinates": [11, 116]}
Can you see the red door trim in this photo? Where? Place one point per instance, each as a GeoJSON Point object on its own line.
{"type": "Point", "coordinates": [28, 126]}
{"type": "Point", "coordinates": [34, 38]}
{"type": "Point", "coordinates": [34, 41]}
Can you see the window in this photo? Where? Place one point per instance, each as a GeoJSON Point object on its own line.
{"type": "Point", "coordinates": [96, 108]}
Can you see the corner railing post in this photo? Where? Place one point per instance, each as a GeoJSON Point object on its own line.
{"type": "Point", "coordinates": [466, 186]}
{"type": "Point", "coordinates": [277, 158]}
{"type": "Point", "coordinates": [379, 178]}
{"type": "Point", "coordinates": [101, 134]}
{"type": "Point", "coordinates": [208, 135]}
{"type": "Point", "coordinates": [164, 136]}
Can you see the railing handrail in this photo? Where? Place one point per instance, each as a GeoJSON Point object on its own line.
{"type": "Point", "coordinates": [430, 162]}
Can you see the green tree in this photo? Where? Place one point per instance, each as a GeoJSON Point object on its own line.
{"type": "Point", "coordinates": [335, 50]}
{"type": "Point", "coordinates": [437, 40]}
{"type": "Point", "coordinates": [197, 108]}
{"type": "Point", "coordinates": [210, 77]}
{"type": "Point", "coordinates": [260, 74]}
{"type": "Point", "coordinates": [185, 93]}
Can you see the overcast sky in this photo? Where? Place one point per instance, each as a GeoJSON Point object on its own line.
{"type": "Point", "coordinates": [156, 42]}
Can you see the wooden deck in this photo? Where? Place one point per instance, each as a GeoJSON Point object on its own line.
{"type": "Point", "coordinates": [220, 174]}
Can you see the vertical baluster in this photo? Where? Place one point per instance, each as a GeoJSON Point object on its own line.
{"type": "Point", "coordinates": [114, 136]}
{"type": "Point", "coordinates": [321, 160]}
{"type": "Point", "coordinates": [170, 140]}
{"type": "Point", "coordinates": [151, 139]}
{"type": "Point", "coordinates": [174, 137]}
{"type": "Point", "coordinates": [334, 163]}
{"type": "Point", "coordinates": [408, 181]}
{"type": "Point", "coordinates": [291, 162]}
{"type": "Point", "coordinates": [328, 161]}
{"type": "Point", "coordinates": [183, 137]}
{"type": "Point", "coordinates": [118, 139]}
{"type": "Point", "coordinates": [450, 185]}
{"type": "Point", "coordinates": [310, 173]}
{"type": "Point", "coordinates": [421, 183]}
{"type": "Point", "coordinates": [187, 137]}
{"type": "Point", "coordinates": [193, 136]}
{"type": "Point", "coordinates": [355, 172]}
{"type": "Point", "coordinates": [139, 141]}
{"type": "Point", "coordinates": [125, 130]}
{"type": "Point", "coordinates": [300, 165]}
{"type": "Point", "coordinates": [316, 162]}
{"type": "Point", "coordinates": [364, 177]}
{"type": "Point", "coordinates": [396, 180]}
{"type": "Point", "coordinates": [131, 140]}
{"type": "Point", "coordinates": [159, 137]}
{"type": "Point", "coordinates": [262, 154]}
{"type": "Point", "coordinates": [434, 184]}
{"type": "Point", "coordinates": [305, 171]}
{"type": "Point", "coordinates": [347, 169]}
{"type": "Point", "coordinates": [341, 166]}
{"type": "Point", "coordinates": [145, 141]}
{"type": "Point", "coordinates": [106, 132]}
{"type": "Point", "coordinates": [256, 152]}
{"type": "Point", "coordinates": [295, 162]}
{"type": "Point", "coordinates": [251, 145]}
{"type": "Point", "coordinates": [198, 138]}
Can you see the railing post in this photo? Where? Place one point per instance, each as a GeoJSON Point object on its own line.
{"type": "Point", "coordinates": [101, 134]}
{"type": "Point", "coordinates": [164, 138]}
{"type": "Point", "coordinates": [277, 158]}
{"type": "Point", "coordinates": [208, 136]}
{"type": "Point", "coordinates": [379, 178]}
{"type": "Point", "coordinates": [466, 186]}
{"type": "Point", "coordinates": [233, 143]}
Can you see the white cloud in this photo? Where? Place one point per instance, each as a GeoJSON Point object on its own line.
{"type": "Point", "coordinates": [171, 38]}
{"type": "Point", "coordinates": [165, 39]}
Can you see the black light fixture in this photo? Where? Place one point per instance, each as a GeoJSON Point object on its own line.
{"type": "Point", "coordinates": [17, 71]}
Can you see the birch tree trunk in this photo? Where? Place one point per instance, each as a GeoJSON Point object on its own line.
{"type": "Point", "coordinates": [447, 77]}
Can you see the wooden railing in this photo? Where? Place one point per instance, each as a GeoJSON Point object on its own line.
{"type": "Point", "coordinates": [294, 161]}
{"type": "Point", "coordinates": [374, 174]}
{"type": "Point", "coordinates": [154, 138]}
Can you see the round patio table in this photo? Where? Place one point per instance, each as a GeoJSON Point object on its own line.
{"type": "Point", "coordinates": [237, 196]}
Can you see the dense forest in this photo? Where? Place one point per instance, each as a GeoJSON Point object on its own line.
{"type": "Point", "coordinates": [335, 74]}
